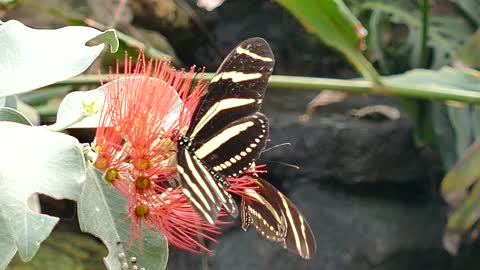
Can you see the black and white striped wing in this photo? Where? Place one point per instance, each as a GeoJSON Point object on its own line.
{"type": "Point", "coordinates": [267, 219]}
{"type": "Point", "coordinates": [236, 90]}
{"type": "Point", "coordinates": [232, 150]}
{"type": "Point", "coordinates": [205, 192]}
{"type": "Point", "coordinates": [298, 237]}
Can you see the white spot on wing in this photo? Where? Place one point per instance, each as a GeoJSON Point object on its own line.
{"type": "Point", "coordinates": [224, 136]}
{"type": "Point", "coordinates": [237, 76]}
{"type": "Point", "coordinates": [241, 50]}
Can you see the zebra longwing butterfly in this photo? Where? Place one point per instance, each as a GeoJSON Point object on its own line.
{"type": "Point", "coordinates": [227, 133]}
{"type": "Point", "coordinates": [277, 219]}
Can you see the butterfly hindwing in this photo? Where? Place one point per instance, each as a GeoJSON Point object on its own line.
{"type": "Point", "coordinates": [298, 237]}
{"type": "Point", "coordinates": [267, 219]}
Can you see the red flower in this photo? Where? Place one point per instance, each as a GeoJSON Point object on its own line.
{"type": "Point", "coordinates": [144, 111]}
{"type": "Point", "coordinates": [171, 214]}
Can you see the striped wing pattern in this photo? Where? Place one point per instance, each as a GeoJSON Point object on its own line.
{"type": "Point", "coordinates": [241, 142]}
{"type": "Point", "coordinates": [205, 192]}
{"type": "Point", "coordinates": [227, 132]}
{"type": "Point", "coordinates": [277, 219]}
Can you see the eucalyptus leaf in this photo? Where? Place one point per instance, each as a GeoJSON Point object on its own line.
{"type": "Point", "coordinates": [31, 58]}
{"type": "Point", "coordinates": [102, 212]}
{"type": "Point", "coordinates": [10, 102]}
{"type": "Point", "coordinates": [74, 113]}
{"type": "Point", "coordinates": [12, 115]}
{"type": "Point", "coordinates": [34, 160]}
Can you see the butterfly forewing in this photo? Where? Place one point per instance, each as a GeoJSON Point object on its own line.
{"type": "Point", "coordinates": [206, 194]}
{"type": "Point", "coordinates": [236, 90]}
{"type": "Point", "coordinates": [232, 150]}
{"type": "Point", "coordinates": [298, 237]}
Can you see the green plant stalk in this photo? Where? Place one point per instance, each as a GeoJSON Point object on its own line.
{"type": "Point", "coordinates": [363, 66]}
{"type": "Point", "coordinates": [353, 86]}
{"type": "Point", "coordinates": [425, 29]}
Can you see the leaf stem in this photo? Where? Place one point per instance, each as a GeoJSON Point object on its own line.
{"type": "Point", "coordinates": [425, 29]}
{"type": "Point", "coordinates": [363, 66]}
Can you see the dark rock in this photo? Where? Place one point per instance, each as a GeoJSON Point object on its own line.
{"type": "Point", "coordinates": [352, 232]}
{"type": "Point", "coordinates": [333, 146]}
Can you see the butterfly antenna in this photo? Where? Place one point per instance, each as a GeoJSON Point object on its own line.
{"type": "Point", "coordinates": [283, 163]}
{"type": "Point", "coordinates": [276, 146]}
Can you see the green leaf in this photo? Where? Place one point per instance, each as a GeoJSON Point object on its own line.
{"type": "Point", "coordinates": [465, 216]}
{"type": "Point", "coordinates": [445, 35]}
{"type": "Point", "coordinates": [471, 8]}
{"type": "Point", "coordinates": [34, 58]}
{"type": "Point", "coordinates": [34, 160]}
{"type": "Point", "coordinates": [109, 37]}
{"type": "Point", "coordinates": [444, 134]}
{"type": "Point", "coordinates": [102, 212]}
{"type": "Point", "coordinates": [454, 127]}
{"type": "Point", "coordinates": [461, 120]}
{"type": "Point", "coordinates": [469, 53]}
{"type": "Point", "coordinates": [462, 175]}
{"type": "Point", "coordinates": [10, 101]}
{"type": "Point", "coordinates": [12, 115]}
{"type": "Point", "coordinates": [65, 251]}
{"type": "Point", "coordinates": [449, 79]}
{"type": "Point", "coordinates": [330, 20]}
{"type": "Point", "coordinates": [334, 24]}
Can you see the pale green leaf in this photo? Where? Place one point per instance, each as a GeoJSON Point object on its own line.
{"type": "Point", "coordinates": [81, 109]}
{"type": "Point", "coordinates": [102, 212]}
{"type": "Point", "coordinates": [10, 101]}
{"type": "Point", "coordinates": [12, 115]}
{"type": "Point", "coordinates": [31, 58]}
{"type": "Point", "coordinates": [34, 160]}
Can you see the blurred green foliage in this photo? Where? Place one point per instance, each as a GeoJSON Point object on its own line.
{"type": "Point", "coordinates": [404, 35]}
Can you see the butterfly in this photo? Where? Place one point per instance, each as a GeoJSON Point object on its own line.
{"type": "Point", "coordinates": [276, 218]}
{"type": "Point", "coordinates": [227, 133]}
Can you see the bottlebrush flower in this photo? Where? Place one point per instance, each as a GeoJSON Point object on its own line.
{"type": "Point", "coordinates": [145, 110]}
